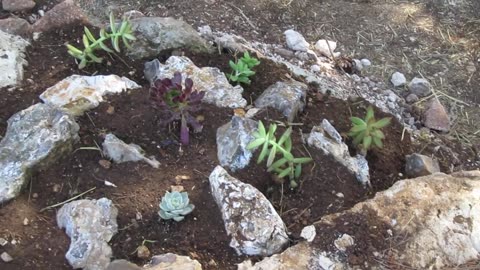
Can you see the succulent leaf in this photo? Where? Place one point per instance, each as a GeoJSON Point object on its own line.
{"type": "Point", "coordinates": [175, 205]}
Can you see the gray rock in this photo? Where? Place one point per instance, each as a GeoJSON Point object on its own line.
{"type": "Point", "coordinates": [327, 138]}
{"type": "Point", "coordinates": [315, 68]}
{"type": "Point", "coordinates": [420, 165]}
{"type": "Point", "coordinates": [232, 141]}
{"type": "Point", "coordinates": [17, 5]}
{"type": "Point", "coordinates": [296, 41]}
{"type": "Point", "coordinates": [308, 233]}
{"type": "Point", "coordinates": [155, 35]}
{"type": "Point", "coordinates": [365, 62]}
{"type": "Point", "coordinates": [6, 257]}
{"type": "Point", "coordinates": [12, 59]}
{"type": "Point", "coordinates": [398, 79]}
{"type": "Point", "coordinates": [35, 138]}
{"type": "Point", "coordinates": [15, 26]}
{"type": "Point", "coordinates": [326, 47]}
{"type": "Point", "coordinates": [285, 53]}
{"type": "Point", "coordinates": [411, 98]}
{"type": "Point", "coordinates": [77, 94]}
{"type": "Point", "coordinates": [250, 219]}
{"type": "Point", "coordinates": [119, 151]}
{"type": "Point", "coordinates": [286, 97]}
{"type": "Point", "coordinates": [358, 66]}
{"type": "Point", "coordinates": [167, 261]}
{"type": "Point", "coordinates": [218, 90]}
{"type": "Point", "coordinates": [420, 87]}
{"type": "Point", "coordinates": [90, 224]}
{"type": "Point", "coordinates": [436, 117]}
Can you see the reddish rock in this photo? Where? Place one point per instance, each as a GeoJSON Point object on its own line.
{"type": "Point", "coordinates": [17, 5]}
{"type": "Point", "coordinates": [15, 26]}
{"type": "Point", "coordinates": [436, 117]}
{"type": "Point", "coordinates": [62, 14]}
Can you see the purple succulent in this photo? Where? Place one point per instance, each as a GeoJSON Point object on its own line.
{"type": "Point", "coordinates": [176, 103]}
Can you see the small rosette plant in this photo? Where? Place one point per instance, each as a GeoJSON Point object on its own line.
{"type": "Point", "coordinates": [241, 69]}
{"type": "Point", "coordinates": [366, 132]}
{"type": "Point", "coordinates": [175, 205]}
{"type": "Point", "coordinates": [176, 102]}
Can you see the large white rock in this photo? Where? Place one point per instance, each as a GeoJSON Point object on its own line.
{"type": "Point", "coordinates": [296, 41]}
{"type": "Point", "coordinates": [35, 138]}
{"type": "Point", "coordinates": [218, 90]}
{"type": "Point", "coordinates": [77, 94]}
{"type": "Point", "coordinates": [12, 59]}
{"type": "Point", "coordinates": [90, 224]}
{"type": "Point", "coordinates": [327, 138]}
{"type": "Point", "coordinates": [435, 217]}
{"type": "Point", "coordinates": [250, 219]}
{"type": "Point", "coordinates": [232, 141]}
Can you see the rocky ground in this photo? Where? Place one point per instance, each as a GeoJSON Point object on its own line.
{"type": "Point", "coordinates": [322, 62]}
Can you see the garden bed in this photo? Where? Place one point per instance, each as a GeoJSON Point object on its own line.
{"type": "Point", "coordinates": [325, 186]}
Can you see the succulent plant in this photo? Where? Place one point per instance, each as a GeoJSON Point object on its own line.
{"type": "Point", "coordinates": [175, 205]}
{"type": "Point", "coordinates": [123, 32]}
{"type": "Point", "coordinates": [366, 132]}
{"type": "Point", "coordinates": [242, 68]}
{"type": "Point", "coordinates": [176, 103]}
{"type": "Point", "coordinates": [288, 165]}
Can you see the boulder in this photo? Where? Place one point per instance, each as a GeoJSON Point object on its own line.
{"type": "Point", "coordinates": [77, 94]}
{"type": "Point", "coordinates": [232, 141]}
{"type": "Point", "coordinates": [35, 138]}
{"type": "Point", "coordinates": [90, 224]}
{"type": "Point", "coordinates": [287, 97]}
{"type": "Point", "coordinates": [119, 151]}
{"type": "Point", "coordinates": [420, 165]}
{"type": "Point", "coordinates": [12, 59]}
{"type": "Point", "coordinates": [250, 219]}
{"type": "Point", "coordinates": [295, 41]}
{"type": "Point", "coordinates": [436, 117]}
{"type": "Point", "coordinates": [218, 90]}
{"type": "Point", "coordinates": [157, 34]}
{"type": "Point", "coordinates": [326, 138]}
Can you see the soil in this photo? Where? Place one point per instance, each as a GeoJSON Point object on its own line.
{"type": "Point", "coordinates": [325, 187]}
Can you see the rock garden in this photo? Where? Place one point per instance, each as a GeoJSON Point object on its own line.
{"type": "Point", "coordinates": [134, 139]}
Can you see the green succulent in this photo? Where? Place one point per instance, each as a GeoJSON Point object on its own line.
{"type": "Point", "coordinates": [366, 132]}
{"type": "Point", "coordinates": [287, 165]}
{"type": "Point", "coordinates": [242, 68]}
{"type": "Point", "coordinates": [90, 43]}
{"type": "Point", "coordinates": [175, 205]}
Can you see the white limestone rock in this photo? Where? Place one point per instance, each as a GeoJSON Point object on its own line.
{"type": "Point", "coordinates": [12, 59]}
{"type": "Point", "coordinates": [119, 151]}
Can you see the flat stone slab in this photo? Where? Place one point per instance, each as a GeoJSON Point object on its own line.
{"type": "Point", "coordinates": [35, 138]}
{"type": "Point", "coordinates": [77, 94]}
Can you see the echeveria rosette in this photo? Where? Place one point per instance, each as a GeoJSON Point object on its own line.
{"type": "Point", "coordinates": [175, 205]}
{"type": "Point", "coordinates": [176, 103]}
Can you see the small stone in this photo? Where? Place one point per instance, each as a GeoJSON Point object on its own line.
{"type": "Point", "coordinates": [35, 195]}
{"type": "Point", "coordinates": [326, 47]}
{"type": "Point", "coordinates": [358, 65]}
{"type": "Point", "coordinates": [411, 98]}
{"type": "Point", "coordinates": [25, 222]}
{"type": "Point", "coordinates": [6, 257]}
{"type": "Point", "coordinates": [56, 188]}
{"type": "Point", "coordinates": [420, 165]}
{"type": "Point", "coordinates": [436, 117]}
{"type": "Point", "coordinates": [105, 163]}
{"type": "Point", "coordinates": [17, 5]}
{"type": "Point", "coordinates": [285, 53]}
{"type": "Point", "coordinates": [356, 78]}
{"type": "Point", "coordinates": [420, 87]}
{"type": "Point", "coordinates": [398, 79]}
{"type": "Point", "coordinates": [177, 188]}
{"type": "Point", "coordinates": [119, 151]}
{"type": "Point", "coordinates": [3, 242]}
{"type": "Point", "coordinates": [343, 242]}
{"type": "Point", "coordinates": [296, 41]}
{"type": "Point", "coordinates": [315, 68]}
{"type": "Point", "coordinates": [41, 13]}
{"type": "Point", "coordinates": [111, 110]}
{"type": "Point", "coordinates": [308, 233]}
{"type": "Point", "coordinates": [138, 216]}
{"type": "Point", "coordinates": [143, 252]}
{"type": "Point", "coordinates": [366, 63]}
{"type": "Point", "coordinates": [340, 195]}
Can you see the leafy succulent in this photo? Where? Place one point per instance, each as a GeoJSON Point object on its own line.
{"type": "Point", "coordinates": [175, 205]}
{"type": "Point", "coordinates": [366, 132]}
{"type": "Point", "coordinates": [287, 165]}
{"type": "Point", "coordinates": [177, 103]}
{"type": "Point", "coordinates": [91, 44]}
{"type": "Point", "coordinates": [242, 68]}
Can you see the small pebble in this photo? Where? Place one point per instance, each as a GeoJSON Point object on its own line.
{"type": "Point", "coordinates": [340, 195]}
{"type": "Point", "coordinates": [143, 252]}
{"type": "Point", "coordinates": [3, 242]}
{"type": "Point", "coordinates": [35, 195]}
{"type": "Point", "coordinates": [105, 163]}
{"type": "Point", "coordinates": [178, 188]}
{"type": "Point", "coordinates": [6, 257]}
{"type": "Point", "coordinates": [56, 188]}
{"type": "Point", "coordinates": [25, 221]}
{"type": "Point", "coordinates": [41, 13]}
